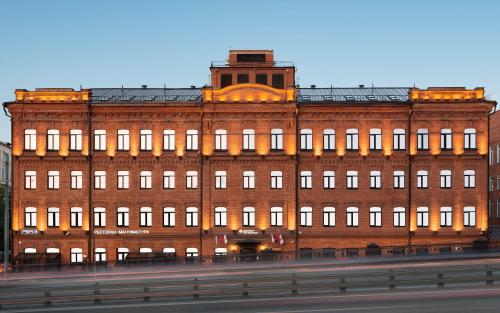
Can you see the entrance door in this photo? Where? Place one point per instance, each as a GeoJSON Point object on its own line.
{"type": "Point", "coordinates": [248, 251]}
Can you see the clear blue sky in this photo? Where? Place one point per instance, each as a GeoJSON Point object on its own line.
{"type": "Point", "coordinates": [97, 43]}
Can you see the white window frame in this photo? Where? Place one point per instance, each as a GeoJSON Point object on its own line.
{"type": "Point", "coordinates": [399, 179]}
{"type": "Point", "coordinates": [76, 217]}
{"type": "Point", "coordinates": [99, 179]}
{"type": "Point", "coordinates": [445, 179]}
{"type": "Point", "coordinates": [352, 180]}
{"type": "Point", "coordinates": [168, 180]}
{"type": "Point", "coordinates": [30, 217]}
{"type": "Point", "coordinates": [76, 255]}
{"type": "Point", "coordinates": [306, 179]}
{"type": "Point", "coordinates": [248, 139]}
{"type": "Point", "coordinates": [375, 217]}
{"type": "Point", "coordinates": [168, 217]}
{"type": "Point", "coordinates": [146, 217]}
{"type": "Point", "coordinates": [352, 216]}
{"type": "Point", "coordinates": [99, 217]}
{"type": "Point", "coordinates": [329, 179]}
{"type": "Point", "coordinates": [76, 178]}
{"type": "Point", "coordinates": [53, 215]}
{"type": "Point", "coordinates": [446, 217]}
{"type": "Point", "coordinates": [276, 180]}
{"type": "Point", "coordinates": [53, 140]}
{"type": "Point", "coordinates": [53, 180]}
{"type": "Point", "coordinates": [248, 180]}
{"type": "Point", "coordinates": [399, 217]}
{"type": "Point", "coordinates": [352, 139]}
{"type": "Point", "coordinates": [470, 139]}
{"type": "Point", "coordinates": [248, 216]}
{"type": "Point", "coordinates": [192, 139]}
{"type": "Point", "coordinates": [75, 140]}
{"type": "Point", "coordinates": [306, 216]}
{"type": "Point", "coordinates": [146, 179]}
{"type": "Point", "coordinates": [123, 180]}
{"type": "Point", "coordinates": [146, 139]}
{"type": "Point", "coordinates": [375, 139]}
{"type": "Point", "coordinates": [100, 140]}
{"type": "Point", "coordinates": [469, 216]}
{"type": "Point", "coordinates": [220, 179]}
{"type": "Point", "coordinates": [30, 139]}
{"type": "Point", "coordinates": [220, 217]}
{"type": "Point", "coordinates": [276, 139]}
{"type": "Point", "coordinates": [123, 138]}
{"type": "Point", "coordinates": [399, 139]}
{"type": "Point", "coordinates": [29, 179]}
{"type": "Point", "coordinates": [306, 139]}
{"type": "Point", "coordinates": [375, 179]}
{"type": "Point", "coordinates": [329, 217]}
{"type": "Point", "coordinates": [191, 179]}
{"type": "Point", "coordinates": [446, 139]}
{"type": "Point", "coordinates": [191, 217]}
{"type": "Point", "coordinates": [469, 179]}
{"type": "Point", "coordinates": [122, 217]}
{"type": "Point", "coordinates": [422, 217]}
{"type": "Point", "coordinates": [422, 179]}
{"type": "Point", "coordinates": [220, 140]}
{"type": "Point", "coordinates": [329, 139]}
{"type": "Point", "coordinates": [100, 254]}
{"type": "Point", "coordinates": [422, 139]}
{"type": "Point", "coordinates": [168, 140]}
{"type": "Point", "coordinates": [276, 216]}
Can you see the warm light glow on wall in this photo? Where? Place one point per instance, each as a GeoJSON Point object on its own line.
{"type": "Point", "coordinates": [458, 143]}
{"type": "Point", "coordinates": [85, 145]}
{"type": "Point", "coordinates": [233, 222]}
{"type": "Point", "coordinates": [234, 144]}
{"type": "Point", "coordinates": [15, 219]}
{"type": "Point", "coordinates": [248, 92]}
{"type": "Point", "coordinates": [434, 218]}
{"type": "Point", "coordinates": [52, 94]}
{"type": "Point", "coordinates": [111, 146]}
{"type": "Point", "coordinates": [387, 141]}
{"type": "Point", "coordinates": [157, 143]}
{"type": "Point", "coordinates": [292, 223]}
{"type": "Point", "coordinates": [64, 145]}
{"type": "Point", "coordinates": [446, 94]}
{"type": "Point", "coordinates": [208, 144]}
{"type": "Point", "coordinates": [41, 144]}
{"type": "Point", "coordinates": [290, 145]}
{"type": "Point", "coordinates": [413, 144]}
{"type": "Point", "coordinates": [262, 144]}
{"type": "Point", "coordinates": [317, 145]}
{"type": "Point", "coordinates": [482, 143]}
{"type": "Point", "coordinates": [134, 142]}
{"type": "Point", "coordinates": [434, 142]}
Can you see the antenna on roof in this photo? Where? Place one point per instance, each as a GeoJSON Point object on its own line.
{"type": "Point", "coordinates": [122, 90]}
{"type": "Point", "coordinates": [80, 86]}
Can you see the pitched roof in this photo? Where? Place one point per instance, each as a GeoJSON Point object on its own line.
{"type": "Point", "coordinates": [360, 94]}
{"type": "Point", "coordinates": [145, 94]}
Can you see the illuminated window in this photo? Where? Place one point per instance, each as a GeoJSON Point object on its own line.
{"type": "Point", "coordinates": [445, 179]}
{"type": "Point", "coordinates": [399, 217]}
{"type": "Point", "coordinates": [122, 254]}
{"type": "Point", "coordinates": [220, 179]}
{"type": "Point", "coordinates": [76, 179]}
{"type": "Point", "coordinates": [329, 139]}
{"type": "Point", "coordinates": [399, 139]}
{"type": "Point", "coordinates": [122, 215]}
{"type": "Point", "coordinates": [445, 216]}
{"type": "Point", "coordinates": [99, 217]}
{"type": "Point", "coordinates": [191, 179]}
{"type": "Point", "coordinates": [399, 179]}
{"type": "Point", "coordinates": [191, 253]}
{"type": "Point", "coordinates": [306, 216]}
{"type": "Point", "coordinates": [99, 180]}
{"type": "Point", "coordinates": [352, 179]}
{"type": "Point", "coordinates": [100, 254]}
{"type": "Point", "coordinates": [276, 216]}
{"type": "Point", "coordinates": [220, 216]}
{"type": "Point", "coordinates": [146, 179]}
{"type": "Point", "coordinates": [422, 179]}
{"type": "Point", "coordinates": [469, 216]}
{"type": "Point", "coordinates": [123, 180]}
{"type": "Point", "coordinates": [53, 180]}
{"type": "Point", "coordinates": [75, 140]}
{"type": "Point", "coordinates": [329, 216]}
{"type": "Point", "coordinates": [375, 217]}
{"type": "Point", "coordinates": [470, 138]}
{"type": "Point", "coordinates": [220, 251]}
{"type": "Point", "coordinates": [100, 140]}
{"type": "Point", "coordinates": [306, 139]}
{"type": "Point", "coordinates": [469, 179]}
{"type": "Point", "coordinates": [169, 217]}
{"type": "Point", "coordinates": [76, 255]}
{"type": "Point", "coordinates": [328, 179]}
{"type": "Point", "coordinates": [30, 139]}
{"type": "Point", "coordinates": [352, 215]}
{"type": "Point", "coordinates": [446, 143]}
{"type": "Point", "coordinates": [306, 179]}
{"type": "Point", "coordinates": [53, 217]}
{"type": "Point", "coordinates": [168, 139]}
{"type": "Point", "coordinates": [53, 140]}
{"type": "Point", "coordinates": [248, 180]}
{"type": "Point", "coordinates": [30, 179]}
{"type": "Point", "coordinates": [146, 217]}
{"type": "Point", "coordinates": [276, 180]}
{"type": "Point", "coordinates": [191, 139]}
{"type": "Point", "coordinates": [192, 217]}
{"type": "Point", "coordinates": [276, 139]}
{"type": "Point", "coordinates": [220, 140]}
{"type": "Point", "coordinates": [146, 139]}
{"type": "Point", "coordinates": [375, 180]}
{"type": "Point", "coordinates": [30, 217]}
{"type": "Point", "coordinates": [375, 139]}
{"type": "Point", "coordinates": [352, 139]}
{"type": "Point", "coordinates": [168, 179]}
{"type": "Point", "coordinates": [123, 140]}
{"type": "Point", "coordinates": [248, 139]}
{"type": "Point", "coordinates": [423, 217]}
{"type": "Point", "coordinates": [423, 139]}
{"type": "Point", "coordinates": [248, 216]}
{"type": "Point", "coordinates": [29, 250]}
{"type": "Point", "coordinates": [76, 217]}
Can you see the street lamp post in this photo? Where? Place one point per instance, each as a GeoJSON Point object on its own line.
{"type": "Point", "coordinates": [6, 226]}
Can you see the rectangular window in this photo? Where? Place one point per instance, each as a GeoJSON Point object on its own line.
{"type": "Point", "coordinates": [146, 217]}
{"type": "Point", "coordinates": [352, 179]}
{"type": "Point", "coordinates": [123, 140]}
{"type": "Point", "coordinates": [191, 179]}
{"type": "Point", "coordinates": [399, 217]}
{"type": "Point", "coordinates": [248, 140]}
{"type": "Point", "coordinates": [76, 179]}
{"type": "Point", "coordinates": [399, 139]}
{"type": "Point", "coordinates": [498, 182]}
{"type": "Point", "coordinates": [242, 79]}
{"type": "Point", "coordinates": [375, 217]}
{"type": "Point", "coordinates": [399, 179]}
{"type": "Point", "coordinates": [375, 139]}
{"type": "Point", "coordinates": [99, 180]}
{"type": "Point", "coordinates": [375, 180]}
{"type": "Point", "coordinates": [352, 215]}
{"type": "Point", "coordinates": [168, 217]}
{"type": "Point", "coordinates": [446, 143]}
{"type": "Point", "coordinates": [100, 255]}
{"type": "Point", "coordinates": [192, 217]}
{"type": "Point", "coordinates": [423, 139]}
{"type": "Point", "coordinates": [100, 139]}
{"type": "Point", "coordinates": [169, 180]}
{"type": "Point", "coordinates": [248, 216]}
{"type": "Point", "coordinates": [306, 139]}
{"type": "Point", "coordinates": [53, 140]}
{"type": "Point", "coordinates": [123, 180]}
{"type": "Point", "coordinates": [30, 179]}
{"type": "Point", "coordinates": [306, 216]}
{"type": "Point", "coordinates": [220, 140]}
{"type": "Point", "coordinates": [423, 217]}
{"type": "Point", "coordinates": [422, 179]}
{"type": "Point", "coordinates": [76, 217]}
{"type": "Point", "coordinates": [470, 179]}
{"type": "Point", "coordinates": [352, 139]}
{"type": "Point", "coordinates": [75, 140]}
{"type": "Point", "coordinates": [226, 80]}
{"type": "Point", "coordinates": [53, 180]}
{"type": "Point", "coordinates": [99, 217]}
{"type": "Point", "coordinates": [191, 139]}
{"type": "Point", "coordinates": [220, 217]}
{"type": "Point", "coordinates": [169, 140]}
{"type": "Point", "coordinates": [306, 179]}
{"type": "Point", "coordinates": [445, 216]}
{"type": "Point", "coordinates": [276, 216]}
{"type": "Point", "coordinates": [220, 179]}
{"type": "Point", "coordinates": [261, 79]}
{"type": "Point", "coordinates": [146, 139]}
{"type": "Point", "coordinates": [469, 216]}
{"type": "Point", "coordinates": [469, 139]}
{"type": "Point", "coordinates": [278, 81]}
{"type": "Point", "coordinates": [76, 255]}
{"type": "Point", "coordinates": [498, 154]}
{"type": "Point", "coordinates": [30, 139]}
{"type": "Point", "coordinates": [329, 140]}
{"type": "Point", "coordinates": [30, 217]}
{"type": "Point", "coordinates": [328, 179]}
{"type": "Point", "coordinates": [53, 217]}
{"type": "Point", "coordinates": [490, 156]}
{"type": "Point", "coordinates": [276, 139]}
{"type": "Point", "coordinates": [445, 179]}
{"type": "Point", "coordinates": [328, 217]}
{"type": "Point", "coordinates": [248, 180]}
{"type": "Point", "coordinates": [146, 179]}
{"type": "Point", "coordinates": [490, 183]}
{"type": "Point", "coordinates": [122, 217]}
{"type": "Point", "coordinates": [276, 180]}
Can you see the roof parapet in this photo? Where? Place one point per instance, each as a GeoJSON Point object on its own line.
{"type": "Point", "coordinates": [52, 95]}
{"type": "Point", "coordinates": [446, 94]}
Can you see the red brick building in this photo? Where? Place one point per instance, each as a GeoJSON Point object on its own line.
{"type": "Point", "coordinates": [251, 163]}
{"type": "Point", "coordinates": [494, 175]}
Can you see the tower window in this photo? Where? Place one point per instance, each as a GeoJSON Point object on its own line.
{"type": "Point", "coordinates": [278, 81]}
{"type": "Point", "coordinates": [261, 79]}
{"type": "Point", "coordinates": [242, 78]}
{"type": "Point", "coordinates": [226, 80]}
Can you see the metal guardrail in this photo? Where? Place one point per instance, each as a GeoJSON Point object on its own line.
{"type": "Point", "coordinates": [244, 286]}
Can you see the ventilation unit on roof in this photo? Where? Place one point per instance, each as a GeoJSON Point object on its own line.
{"type": "Point", "coordinates": [349, 98]}
{"type": "Point", "coordinates": [144, 86]}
